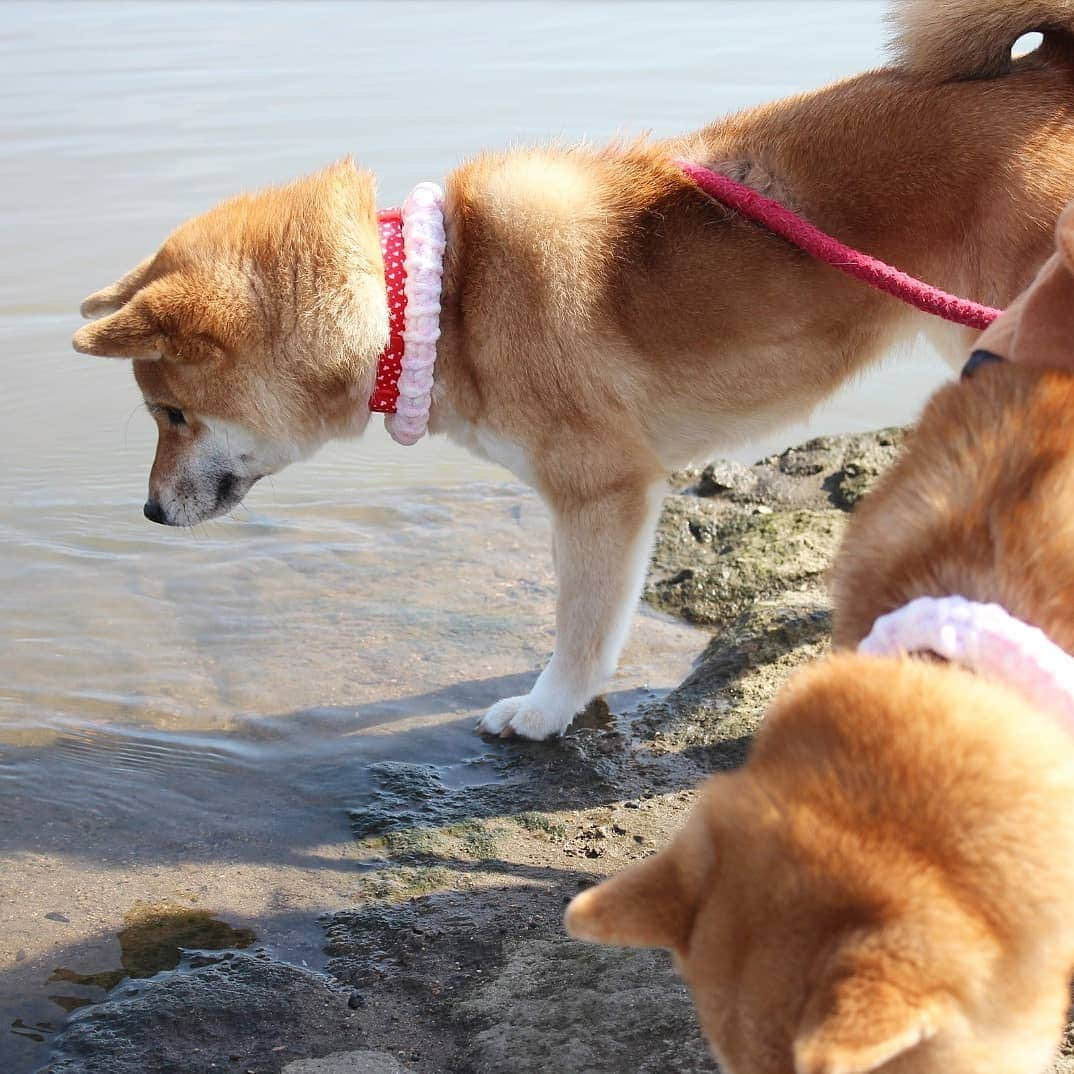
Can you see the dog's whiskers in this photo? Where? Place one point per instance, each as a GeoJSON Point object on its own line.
{"type": "Point", "coordinates": [127, 423]}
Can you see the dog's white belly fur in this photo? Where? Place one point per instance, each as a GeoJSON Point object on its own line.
{"type": "Point", "coordinates": [506, 453]}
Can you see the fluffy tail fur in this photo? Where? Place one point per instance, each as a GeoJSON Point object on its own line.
{"type": "Point", "coordinates": [946, 40]}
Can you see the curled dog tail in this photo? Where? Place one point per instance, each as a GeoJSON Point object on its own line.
{"type": "Point", "coordinates": [955, 40]}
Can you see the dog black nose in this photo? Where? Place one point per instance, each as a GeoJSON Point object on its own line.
{"type": "Point", "coordinates": [978, 359]}
{"type": "Point", "coordinates": [154, 512]}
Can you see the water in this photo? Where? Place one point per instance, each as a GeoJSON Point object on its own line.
{"type": "Point", "coordinates": [186, 716]}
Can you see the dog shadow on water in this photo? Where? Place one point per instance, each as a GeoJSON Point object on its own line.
{"type": "Point", "coordinates": [445, 921]}
{"type": "Point", "coordinates": [461, 875]}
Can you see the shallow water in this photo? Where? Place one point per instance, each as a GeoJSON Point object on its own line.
{"type": "Point", "coordinates": [186, 716]}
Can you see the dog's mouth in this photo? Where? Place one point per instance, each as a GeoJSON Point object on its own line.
{"type": "Point", "coordinates": [188, 507]}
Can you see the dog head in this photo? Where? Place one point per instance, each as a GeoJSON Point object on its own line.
{"type": "Point", "coordinates": [254, 333]}
{"type": "Point", "coordinates": [1037, 329]}
{"type": "Point", "coordinates": [867, 893]}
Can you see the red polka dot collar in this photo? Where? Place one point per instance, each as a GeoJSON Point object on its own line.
{"type": "Point", "coordinates": [390, 362]}
{"type": "Point", "coordinates": [412, 242]}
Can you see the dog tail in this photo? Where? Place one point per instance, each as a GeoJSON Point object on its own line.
{"type": "Point", "coordinates": [958, 40]}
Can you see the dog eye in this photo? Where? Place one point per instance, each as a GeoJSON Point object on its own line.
{"type": "Point", "coordinates": [175, 416]}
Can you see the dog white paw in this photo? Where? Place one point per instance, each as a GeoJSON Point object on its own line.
{"type": "Point", "coordinates": [525, 717]}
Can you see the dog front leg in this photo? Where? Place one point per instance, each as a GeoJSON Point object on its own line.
{"type": "Point", "coordinates": [601, 551]}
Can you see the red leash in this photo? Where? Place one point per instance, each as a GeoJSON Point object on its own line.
{"type": "Point", "coordinates": [788, 225]}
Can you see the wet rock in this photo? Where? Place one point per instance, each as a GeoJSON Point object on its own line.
{"type": "Point", "coordinates": [265, 1011]}
{"type": "Point", "coordinates": [560, 1005]}
{"type": "Point", "coordinates": [348, 1063]}
{"type": "Point", "coordinates": [408, 796]}
{"type": "Point", "coordinates": [737, 558]}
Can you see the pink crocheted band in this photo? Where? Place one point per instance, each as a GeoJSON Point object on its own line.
{"type": "Point", "coordinates": [404, 379]}
{"type": "Point", "coordinates": [876, 273]}
{"type": "Point", "coordinates": [984, 638]}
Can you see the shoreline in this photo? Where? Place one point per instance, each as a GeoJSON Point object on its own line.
{"type": "Point", "coordinates": [454, 959]}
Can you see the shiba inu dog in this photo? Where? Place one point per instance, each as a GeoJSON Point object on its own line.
{"type": "Point", "coordinates": [602, 320]}
{"type": "Point", "coordinates": [888, 883]}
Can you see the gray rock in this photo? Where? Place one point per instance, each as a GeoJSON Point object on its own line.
{"type": "Point", "coordinates": [741, 536]}
{"type": "Point", "coordinates": [728, 561]}
{"type": "Point", "coordinates": [727, 478]}
{"type": "Point", "coordinates": [566, 1006]}
{"type": "Point", "coordinates": [348, 1063]}
{"type": "Point", "coordinates": [191, 1021]}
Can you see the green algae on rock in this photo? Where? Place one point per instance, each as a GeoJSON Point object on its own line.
{"type": "Point", "coordinates": [153, 938]}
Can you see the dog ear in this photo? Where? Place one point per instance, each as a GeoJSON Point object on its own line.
{"type": "Point", "coordinates": [131, 332]}
{"type": "Point", "coordinates": [160, 321]}
{"type": "Point", "coordinates": [1038, 327]}
{"type": "Point", "coordinates": [861, 1018]}
{"type": "Point", "coordinates": [1044, 332]}
{"type": "Point", "coordinates": [112, 298]}
{"type": "Point", "coordinates": [652, 903]}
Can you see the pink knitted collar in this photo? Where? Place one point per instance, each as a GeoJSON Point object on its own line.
{"type": "Point", "coordinates": [412, 241]}
{"type": "Point", "coordinates": [984, 638]}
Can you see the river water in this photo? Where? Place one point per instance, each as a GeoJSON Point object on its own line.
{"type": "Point", "coordinates": [185, 716]}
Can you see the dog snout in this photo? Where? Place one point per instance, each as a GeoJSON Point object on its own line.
{"type": "Point", "coordinates": [227, 485]}
{"type": "Point", "coordinates": [154, 512]}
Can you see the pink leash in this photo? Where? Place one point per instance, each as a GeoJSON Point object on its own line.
{"type": "Point", "coordinates": [780, 220]}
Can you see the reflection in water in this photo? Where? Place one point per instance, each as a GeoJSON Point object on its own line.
{"type": "Point", "coordinates": [152, 939]}
{"type": "Point", "coordinates": [35, 1032]}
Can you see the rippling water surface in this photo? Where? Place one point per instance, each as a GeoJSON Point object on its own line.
{"type": "Point", "coordinates": [186, 716]}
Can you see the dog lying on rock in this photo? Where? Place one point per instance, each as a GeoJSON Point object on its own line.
{"type": "Point", "coordinates": [888, 883]}
{"type": "Point", "coordinates": [601, 321]}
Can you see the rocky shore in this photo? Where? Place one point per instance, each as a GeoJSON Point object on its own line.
{"type": "Point", "coordinates": [454, 959]}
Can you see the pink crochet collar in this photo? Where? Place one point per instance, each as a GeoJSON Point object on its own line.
{"type": "Point", "coordinates": [412, 241]}
{"type": "Point", "coordinates": [984, 638]}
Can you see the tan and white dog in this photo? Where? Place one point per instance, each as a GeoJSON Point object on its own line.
{"type": "Point", "coordinates": [888, 883]}
{"type": "Point", "coordinates": [603, 321]}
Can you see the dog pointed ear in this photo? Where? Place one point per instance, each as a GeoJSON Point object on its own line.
{"type": "Point", "coordinates": [112, 298]}
{"type": "Point", "coordinates": [1038, 327]}
{"type": "Point", "coordinates": [860, 1019]}
{"type": "Point", "coordinates": [1044, 334]}
{"type": "Point", "coordinates": [131, 332]}
{"type": "Point", "coordinates": [652, 903]}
